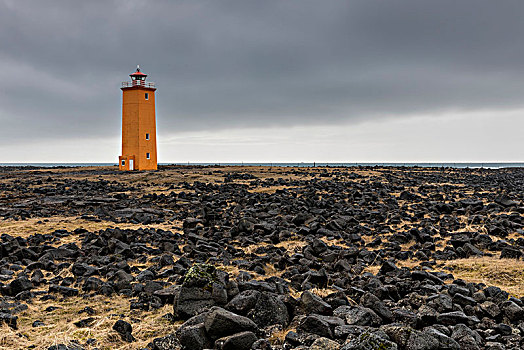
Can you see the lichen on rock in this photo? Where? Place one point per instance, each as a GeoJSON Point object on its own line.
{"type": "Point", "coordinates": [201, 275]}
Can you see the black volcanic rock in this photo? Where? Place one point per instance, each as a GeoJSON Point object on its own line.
{"type": "Point", "coordinates": [203, 287]}
{"type": "Point", "coordinates": [17, 286]}
{"type": "Point", "coordinates": [221, 323]}
{"type": "Point", "coordinates": [269, 310]}
{"type": "Point", "coordinates": [124, 329]}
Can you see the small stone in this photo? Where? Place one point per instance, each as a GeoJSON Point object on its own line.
{"type": "Point", "coordinates": [324, 344]}
{"type": "Point", "coordinates": [239, 341]}
{"type": "Point", "coordinates": [317, 325]}
{"type": "Point", "coordinates": [38, 324]}
{"type": "Point", "coordinates": [86, 322]}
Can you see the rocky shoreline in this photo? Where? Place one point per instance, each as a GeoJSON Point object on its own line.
{"type": "Point", "coordinates": [261, 258]}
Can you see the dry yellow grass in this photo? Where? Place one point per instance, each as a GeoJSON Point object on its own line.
{"type": "Point", "coordinates": [24, 228]}
{"type": "Point", "coordinates": [268, 190]}
{"type": "Point", "coordinates": [279, 336]}
{"type": "Point", "coordinates": [336, 242]}
{"type": "Point", "coordinates": [59, 327]}
{"type": "Point", "coordinates": [323, 292]}
{"type": "Point", "coordinates": [271, 271]}
{"type": "Point", "coordinates": [410, 263]}
{"type": "Point", "coordinates": [468, 227]}
{"type": "Point", "coordinates": [504, 273]}
{"type": "Point", "coordinates": [290, 245]}
{"type": "Point", "coordinates": [492, 271]}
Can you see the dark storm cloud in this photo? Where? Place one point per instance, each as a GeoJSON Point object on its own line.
{"type": "Point", "coordinates": [223, 64]}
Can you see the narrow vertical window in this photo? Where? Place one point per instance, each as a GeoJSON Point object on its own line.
{"type": "Point", "coordinates": [148, 156]}
{"type": "Point", "coordinates": [147, 136]}
{"type": "Point", "coordinates": [123, 162]}
{"type": "Point", "coordinates": [147, 96]}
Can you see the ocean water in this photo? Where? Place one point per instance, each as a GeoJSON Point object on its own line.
{"type": "Point", "coordinates": [298, 164]}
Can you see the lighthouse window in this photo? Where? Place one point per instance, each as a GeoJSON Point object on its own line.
{"type": "Point", "coordinates": [123, 162]}
{"type": "Point", "coordinates": [147, 96]}
{"type": "Point", "coordinates": [148, 156]}
{"type": "Point", "coordinates": [147, 136]}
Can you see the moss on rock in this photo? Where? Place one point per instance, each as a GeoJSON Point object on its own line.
{"type": "Point", "coordinates": [201, 275]}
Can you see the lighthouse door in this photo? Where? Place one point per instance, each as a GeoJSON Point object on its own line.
{"type": "Point", "coordinates": [131, 164]}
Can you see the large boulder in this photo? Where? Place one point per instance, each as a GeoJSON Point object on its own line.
{"type": "Point", "coordinates": [238, 341]}
{"type": "Point", "coordinates": [378, 306]}
{"type": "Point", "coordinates": [455, 317]}
{"type": "Point", "coordinates": [358, 315]}
{"type": "Point", "coordinates": [512, 311]}
{"type": "Point", "coordinates": [222, 323]}
{"type": "Point", "coordinates": [312, 303]}
{"type": "Point", "coordinates": [269, 310]}
{"type": "Point", "coordinates": [18, 285]}
{"type": "Point", "coordinates": [422, 341]}
{"type": "Point", "coordinates": [202, 288]}
{"type": "Point", "coordinates": [369, 341]}
{"type": "Point", "coordinates": [192, 333]}
{"type": "Point", "coordinates": [399, 333]}
{"type": "Point", "coordinates": [316, 324]}
{"type": "Point", "coordinates": [324, 344]}
{"type": "Point", "coordinates": [445, 342]}
{"type": "Point", "coordinates": [121, 280]}
{"type": "Point", "coordinates": [243, 302]}
{"type": "Point", "coordinates": [124, 329]}
{"type": "Point", "coordinates": [65, 291]}
{"type": "Point", "coordinates": [193, 337]}
{"type": "Point", "coordinates": [466, 337]}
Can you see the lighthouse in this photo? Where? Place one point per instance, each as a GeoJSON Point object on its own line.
{"type": "Point", "coordinates": [138, 124]}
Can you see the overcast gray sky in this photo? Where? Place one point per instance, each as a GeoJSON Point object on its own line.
{"type": "Point", "coordinates": [289, 80]}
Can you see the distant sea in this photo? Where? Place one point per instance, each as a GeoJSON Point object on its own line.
{"type": "Point", "coordinates": [299, 164]}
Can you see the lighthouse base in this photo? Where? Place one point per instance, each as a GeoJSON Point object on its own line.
{"type": "Point", "coordinates": [126, 163]}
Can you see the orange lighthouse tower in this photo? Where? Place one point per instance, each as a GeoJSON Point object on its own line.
{"type": "Point", "coordinates": [138, 124]}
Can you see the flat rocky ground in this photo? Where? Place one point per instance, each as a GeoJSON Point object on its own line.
{"type": "Point", "coordinates": [261, 258]}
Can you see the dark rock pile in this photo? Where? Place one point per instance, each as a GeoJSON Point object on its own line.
{"type": "Point", "coordinates": [265, 263]}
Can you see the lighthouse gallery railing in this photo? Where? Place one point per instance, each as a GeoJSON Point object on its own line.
{"type": "Point", "coordinates": [137, 83]}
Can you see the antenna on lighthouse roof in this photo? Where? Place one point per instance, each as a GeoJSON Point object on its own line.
{"type": "Point", "coordinates": [138, 68]}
